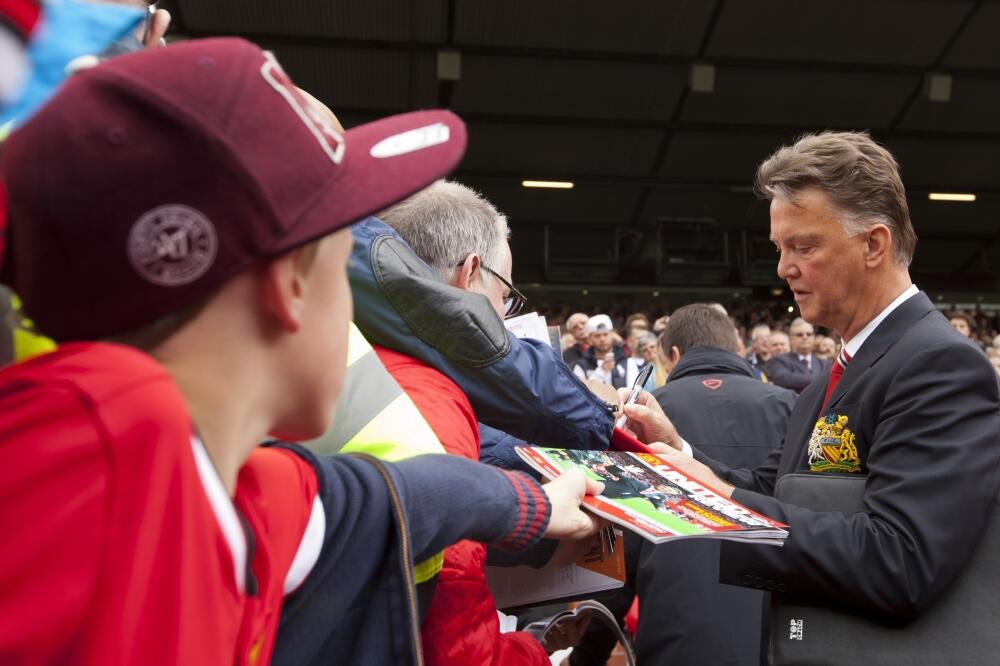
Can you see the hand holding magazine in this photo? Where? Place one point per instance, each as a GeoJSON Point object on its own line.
{"type": "Point", "coordinates": [646, 494]}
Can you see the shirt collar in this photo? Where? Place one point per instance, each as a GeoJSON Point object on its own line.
{"type": "Point", "coordinates": [854, 345]}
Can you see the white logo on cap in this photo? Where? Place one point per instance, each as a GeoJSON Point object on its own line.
{"type": "Point", "coordinates": [412, 140]}
{"type": "Point", "coordinates": [330, 140]}
{"type": "Point", "coordinates": [172, 245]}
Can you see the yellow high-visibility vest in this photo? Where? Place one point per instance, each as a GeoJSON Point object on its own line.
{"type": "Point", "coordinates": [376, 416]}
{"type": "Point", "coordinates": [19, 339]}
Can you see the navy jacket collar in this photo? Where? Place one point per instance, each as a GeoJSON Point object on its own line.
{"type": "Point", "coordinates": [709, 360]}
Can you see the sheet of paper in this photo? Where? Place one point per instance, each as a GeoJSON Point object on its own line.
{"type": "Point", "coordinates": [601, 569]}
{"type": "Point", "coordinates": [530, 325]}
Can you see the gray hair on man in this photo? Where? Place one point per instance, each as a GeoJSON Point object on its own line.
{"type": "Point", "coordinates": [860, 177]}
{"type": "Point", "coordinates": [448, 221]}
{"type": "Point", "coordinates": [760, 331]}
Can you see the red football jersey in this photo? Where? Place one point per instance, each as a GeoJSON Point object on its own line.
{"type": "Point", "coordinates": [120, 543]}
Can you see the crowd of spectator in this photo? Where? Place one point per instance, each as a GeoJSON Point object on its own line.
{"type": "Point", "coordinates": [763, 331]}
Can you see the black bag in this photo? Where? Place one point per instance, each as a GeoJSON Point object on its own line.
{"type": "Point", "coordinates": [962, 627]}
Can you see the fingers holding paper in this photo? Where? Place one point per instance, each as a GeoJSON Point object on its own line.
{"type": "Point", "coordinates": [692, 468]}
{"type": "Point", "coordinates": [565, 494]}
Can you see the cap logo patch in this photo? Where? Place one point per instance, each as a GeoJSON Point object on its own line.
{"type": "Point", "coordinates": [412, 141]}
{"type": "Point", "coordinates": [172, 245]}
{"type": "Point", "coordinates": [329, 139]}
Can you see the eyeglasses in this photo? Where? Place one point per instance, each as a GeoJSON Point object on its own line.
{"type": "Point", "coordinates": [514, 301]}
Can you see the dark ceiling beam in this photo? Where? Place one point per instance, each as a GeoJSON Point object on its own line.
{"type": "Point", "coordinates": [806, 66]}
{"type": "Point", "coordinates": [936, 65]}
{"type": "Point", "coordinates": [676, 124]}
{"type": "Point", "coordinates": [732, 185]}
{"type": "Point", "coordinates": [668, 135]}
{"type": "Point", "coordinates": [925, 237]}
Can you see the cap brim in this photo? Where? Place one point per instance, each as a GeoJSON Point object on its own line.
{"type": "Point", "coordinates": [384, 162]}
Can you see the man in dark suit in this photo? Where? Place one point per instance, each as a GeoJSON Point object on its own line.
{"type": "Point", "coordinates": [909, 402]}
{"type": "Point", "coordinates": [798, 368]}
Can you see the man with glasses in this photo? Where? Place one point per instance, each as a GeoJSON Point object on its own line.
{"type": "Point", "coordinates": [798, 368]}
{"type": "Point", "coordinates": [462, 237]}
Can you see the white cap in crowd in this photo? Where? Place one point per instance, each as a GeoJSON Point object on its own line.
{"type": "Point", "coordinates": [599, 324]}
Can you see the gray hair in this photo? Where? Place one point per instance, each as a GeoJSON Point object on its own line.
{"type": "Point", "coordinates": [760, 331]}
{"type": "Point", "coordinates": [447, 222]}
{"type": "Point", "coordinates": [859, 176]}
{"type": "Point", "coordinates": [799, 321]}
{"type": "Point", "coordinates": [648, 339]}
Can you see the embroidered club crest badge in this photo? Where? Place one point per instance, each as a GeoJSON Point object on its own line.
{"type": "Point", "coordinates": [712, 384]}
{"type": "Point", "coordinates": [831, 446]}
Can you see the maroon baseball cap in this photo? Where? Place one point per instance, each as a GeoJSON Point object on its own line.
{"type": "Point", "coordinates": [151, 179]}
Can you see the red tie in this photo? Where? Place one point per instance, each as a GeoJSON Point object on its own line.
{"type": "Point", "coordinates": [836, 372]}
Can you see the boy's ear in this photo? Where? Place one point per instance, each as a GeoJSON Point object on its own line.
{"type": "Point", "coordinates": [283, 286]}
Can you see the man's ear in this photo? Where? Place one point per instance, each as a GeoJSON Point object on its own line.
{"type": "Point", "coordinates": [283, 285]}
{"type": "Point", "coordinates": [468, 272]}
{"type": "Point", "coordinates": [675, 354]}
{"type": "Point", "coordinates": [878, 246]}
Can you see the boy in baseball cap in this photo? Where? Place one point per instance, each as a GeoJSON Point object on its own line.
{"type": "Point", "coordinates": [188, 202]}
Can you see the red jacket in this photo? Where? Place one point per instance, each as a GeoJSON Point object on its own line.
{"type": "Point", "coordinates": [461, 627]}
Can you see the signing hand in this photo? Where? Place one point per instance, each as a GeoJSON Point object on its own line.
{"type": "Point", "coordinates": [647, 421]}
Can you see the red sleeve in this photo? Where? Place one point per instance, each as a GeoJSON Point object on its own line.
{"type": "Point", "coordinates": [441, 402]}
{"type": "Point", "coordinates": [53, 502]}
{"type": "Point", "coordinates": [462, 626]}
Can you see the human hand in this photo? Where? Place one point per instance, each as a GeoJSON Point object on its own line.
{"type": "Point", "coordinates": [647, 422]}
{"type": "Point", "coordinates": [608, 362]}
{"type": "Point", "coordinates": [565, 634]}
{"type": "Point", "coordinates": [565, 493]}
{"type": "Point", "coordinates": [693, 468]}
{"type": "Point", "coordinates": [158, 24]}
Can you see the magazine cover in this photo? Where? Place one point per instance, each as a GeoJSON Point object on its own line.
{"type": "Point", "coordinates": [647, 495]}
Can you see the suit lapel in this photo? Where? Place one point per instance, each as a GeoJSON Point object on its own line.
{"type": "Point", "coordinates": [891, 329]}
{"type": "Point", "coordinates": [800, 427]}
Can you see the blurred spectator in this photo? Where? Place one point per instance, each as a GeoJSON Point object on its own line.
{"type": "Point", "coordinates": [994, 356]}
{"type": "Point", "coordinates": [604, 360]}
{"type": "Point", "coordinates": [576, 325]}
{"type": "Point", "coordinates": [649, 350]}
{"type": "Point", "coordinates": [637, 319]}
{"type": "Point", "coordinates": [566, 340]}
{"type": "Point", "coordinates": [798, 368]}
{"type": "Point", "coordinates": [826, 348]}
{"type": "Point", "coordinates": [760, 351]}
{"type": "Point", "coordinates": [632, 335]}
{"type": "Point", "coordinates": [962, 322]}
{"type": "Point", "coordinates": [778, 343]}
{"type": "Point", "coordinates": [646, 352]}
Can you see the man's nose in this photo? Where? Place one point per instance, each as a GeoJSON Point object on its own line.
{"type": "Point", "coordinates": [786, 268]}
